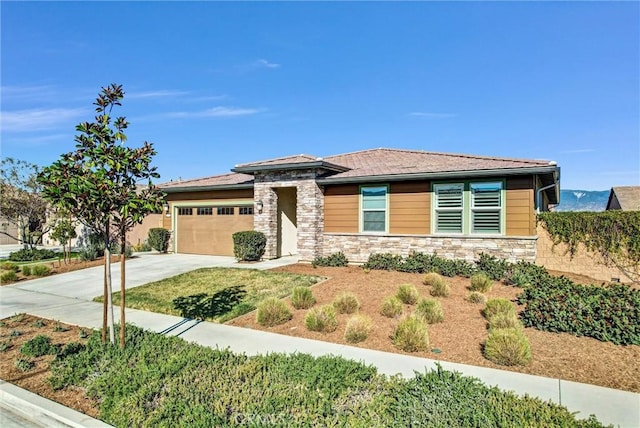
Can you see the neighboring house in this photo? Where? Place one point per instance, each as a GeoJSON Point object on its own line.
{"type": "Point", "coordinates": [371, 201]}
{"type": "Point", "coordinates": [11, 232]}
{"type": "Point", "coordinates": [626, 198]}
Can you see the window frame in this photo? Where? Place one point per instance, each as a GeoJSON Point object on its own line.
{"type": "Point", "coordinates": [225, 211]}
{"type": "Point", "coordinates": [248, 210]}
{"type": "Point", "coordinates": [362, 210]}
{"type": "Point", "coordinates": [202, 211]}
{"type": "Point", "coordinates": [437, 209]}
{"type": "Point", "coordinates": [182, 211]}
{"type": "Point", "coordinates": [473, 208]}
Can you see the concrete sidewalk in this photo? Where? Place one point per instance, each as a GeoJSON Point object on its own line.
{"type": "Point", "coordinates": [609, 405]}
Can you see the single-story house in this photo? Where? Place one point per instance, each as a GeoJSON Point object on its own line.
{"type": "Point", "coordinates": [370, 201]}
{"type": "Point", "coordinates": [626, 198]}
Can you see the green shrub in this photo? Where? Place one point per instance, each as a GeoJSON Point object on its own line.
{"type": "Point", "coordinates": [477, 297]}
{"type": "Point", "coordinates": [498, 306]}
{"type": "Point", "coordinates": [334, 260]}
{"type": "Point", "coordinates": [524, 274]}
{"type": "Point", "coordinates": [439, 287]}
{"type": "Point", "coordinates": [609, 314]}
{"type": "Point", "coordinates": [322, 319]}
{"type": "Point", "coordinates": [391, 307]}
{"type": "Point", "coordinates": [9, 276]}
{"type": "Point", "coordinates": [407, 294]}
{"type": "Point", "coordinates": [24, 364]}
{"type": "Point", "coordinates": [302, 298]}
{"type": "Point", "coordinates": [32, 255]}
{"type": "Point", "coordinates": [158, 239]}
{"type": "Point", "coordinates": [411, 335]}
{"type": "Point", "coordinates": [504, 320]}
{"type": "Point", "coordinates": [272, 312]}
{"type": "Point", "coordinates": [116, 250]}
{"type": "Point", "coordinates": [507, 347]}
{"type": "Point", "coordinates": [9, 266]}
{"type": "Point", "coordinates": [384, 261]}
{"type": "Point", "coordinates": [346, 303]}
{"type": "Point", "coordinates": [481, 282]}
{"type": "Point", "coordinates": [26, 270]}
{"type": "Point", "coordinates": [494, 267]}
{"type": "Point", "coordinates": [70, 348]}
{"type": "Point", "coordinates": [39, 323]}
{"type": "Point", "coordinates": [430, 310]}
{"type": "Point", "coordinates": [142, 247]}
{"type": "Point", "coordinates": [40, 270]}
{"type": "Point", "coordinates": [358, 329]}
{"type": "Point", "coordinates": [249, 245]}
{"type": "Point", "coordinates": [88, 253]}
{"type": "Point", "coordinates": [417, 262]}
{"type": "Point", "coordinates": [38, 346]}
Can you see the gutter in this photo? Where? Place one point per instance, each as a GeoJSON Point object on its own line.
{"type": "Point", "coordinates": [207, 188]}
{"type": "Point", "coordinates": [539, 195]}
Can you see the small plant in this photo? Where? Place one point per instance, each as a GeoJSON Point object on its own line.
{"type": "Point", "coordinates": [498, 306]}
{"type": "Point", "coordinates": [5, 345]}
{"type": "Point", "coordinates": [9, 276]}
{"type": "Point", "coordinates": [24, 364]}
{"type": "Point", "coordinates": [439, 287]}
{"type": "Point", "coordinates": [504, 320]}
{"type": "Point", "coordinates": [142, 247]}
{"type": "Point", "coordinates": [271, 312]}
{"type": "Point", "coordinates": [158, 239]}
{"type": "Point", "coordinates": [88, 253]}
{"type": "Point", "coordinates": [346, 303]}
{"type": "Point", "coordinates": [83, 334]}
{"type": "Point", "coordinates": [411, 335]}
{"type": "Point", "coordinates": [407, 294]}
{"type": "Point", "coordinates": [494, 267]}
{"type": "Point", "coordinates": [17, 317]}
{"type": "Point", "coordinates": [302, 298]}
{"type": "Point", "coordinates": [59, 328]}
{"type": "Point", "coordinates": [391, 307]}
{"type": "Point", "coordinates": [334, 260]}
{"type": "Point", "coordinates": [38, 346]}
{"type": "Point", "coordinates": [9, 266]}
{"type": "Point", "coordinates": [430, 310]}
{"type": "Point", "coordinates": [477, 297]}
{"type": "Point", "coordinates": [481, 282]}
{"type": "Point", "coordinates": [322, 319]}
{"type": "Point", "coordinates": [507, 347]}
{"type": "Point", "coordinates": [358, 329]}
{"type": "Point", "coordinates": [69, 349]}
{"type": "Point", "coordinates": [39, 323]}
{"type": "Point", "coordinates": [15, 333]}
{"type": "Point", "coordinates": [40, 270]}
{"type": "Point", "coordinates": [26, 270]}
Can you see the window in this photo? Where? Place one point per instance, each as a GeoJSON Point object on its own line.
{"type": "Point", "coordinates": [468, 208]}
{"type": "Point", "coordinates": [245, 210]}
{"type": "Point", "coordinates": [486, 207]}
{"type": "Point", "coordinates": [449, 207]}
{"type": "Point", "coordinates": [205, 211]}
{"type": "Point", "coordinates": [225, 210]}
{"type": "Point", "coordinates": [185, 211]}
{"type": "Point", "coordinates": [374, 209]}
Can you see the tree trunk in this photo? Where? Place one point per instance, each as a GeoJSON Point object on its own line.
{"type": "Point", "coordinates": [105, 302]}
{"type": "Point", "coordinates": [112, 337]}
{"type": "Point", "coordinates": [122, 285]}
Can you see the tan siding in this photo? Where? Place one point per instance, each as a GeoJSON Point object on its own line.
{"type": "Point", "coordinates": [341, 205]}
{"type": "Point", "coordinates": [409, 208]}
{"type": "Point", "coordinates": [519, 207]}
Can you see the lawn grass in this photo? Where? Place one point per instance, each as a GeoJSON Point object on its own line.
{"type": "Point", "coordinates": [234, 291]}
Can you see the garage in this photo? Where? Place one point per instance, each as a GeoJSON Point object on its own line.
{"type": "Point", "coordinates": [209, 229]}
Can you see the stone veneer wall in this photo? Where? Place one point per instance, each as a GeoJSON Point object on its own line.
{"type": "Point", "coordinates": [309, 210]}
{"type": "Point", "coordinates": [584, 262]}
{"type": "Point", "coordinates": [358, 247]}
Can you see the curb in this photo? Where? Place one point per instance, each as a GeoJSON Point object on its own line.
{"type": "Point", "coordinates": [43, 411]}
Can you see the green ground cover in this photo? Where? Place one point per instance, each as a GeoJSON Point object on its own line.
{"type": "Point", "coordinates": [214, 294]}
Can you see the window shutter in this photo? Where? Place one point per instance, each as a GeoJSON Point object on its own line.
{"type": "Point", "coordinates": [486, 204]}
{"type": "Point", "coordinates": [449, 204]}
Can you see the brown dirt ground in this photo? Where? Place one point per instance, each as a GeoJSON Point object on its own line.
{"type": "Point", "coordinates": [58, 267]}
{"type": "Point", "coordinates": [461, 335]}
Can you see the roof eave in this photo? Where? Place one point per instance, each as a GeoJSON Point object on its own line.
{"type": "Point", "coordinates": [443, 175]}
{"type": "Point", "coordinates": [249, 169]}
{"type": "Point", "coordinates": [207, 188]}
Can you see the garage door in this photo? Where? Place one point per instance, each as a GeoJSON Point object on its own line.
{"type": "Point", "coordinates": [209, 230]}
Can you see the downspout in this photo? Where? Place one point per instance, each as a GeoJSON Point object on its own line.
{"type": "Point", "coordinates": [538, 196]}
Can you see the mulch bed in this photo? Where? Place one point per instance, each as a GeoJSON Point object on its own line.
{"type": "Point", "coordinates": [58, 267]}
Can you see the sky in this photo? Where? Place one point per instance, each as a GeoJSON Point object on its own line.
{"type": "Point", "coordinates": [214, 84]}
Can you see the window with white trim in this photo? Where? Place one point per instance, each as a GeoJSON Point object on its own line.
{"type": "Point", "coordinates": [486, 207]}
{"type": "Point", "coordinates": [185, 211]}
{"type": "Point", "coordinates": [449, 211]}
{"type": "Point", "coordinates": [374, 209]}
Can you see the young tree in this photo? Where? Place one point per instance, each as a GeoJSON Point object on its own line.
{"type": "Point", "coordinates": [21, 202]}
{"type": "Point", "coordinates": [63, 232]}
{"type": "Point", "coordinates": [98, 184]}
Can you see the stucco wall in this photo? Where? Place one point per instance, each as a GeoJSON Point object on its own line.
{"type": "Point", "coordinates": [140, 231]}
{"type": "Point", "coordinates": [583, 262]}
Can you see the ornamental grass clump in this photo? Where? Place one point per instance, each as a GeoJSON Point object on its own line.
{"type": "Point", "coordinates": [322, 319]}
{"type": "Point", "coordinates": [391, 307]}
{"type": "Point", "coordinates": [411, 334]}
{"type": "Point", "coordinates": [407, 294]}
{"type": "Point", "coordinates": [477, 297]}
{"type": "Point", "coordinates": [430, 310]}
{"type": "Point", "coordinates": [507, 347]}
{"type": "Point", "coordinates": [481, 282]}
{"type": "Point", "coordinates": [272, 312]}
{"type": "Point", "coordinates": [302, 298]}
{"type": "Point", "coordinates": [439, 287]}
{"type": "Point", "coordinates": [357, 329]}
{"type": "Point", "coordinates": [40, 270]}
{"type": "Point", "coordinates": [504, 320]}
{"type": "Point", "coordinates": [346, 303]}
{"type": "Point", "coordinates": [498, 306]}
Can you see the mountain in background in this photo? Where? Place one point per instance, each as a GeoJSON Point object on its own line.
{"type": "Point", "coordinates": [583, 200]}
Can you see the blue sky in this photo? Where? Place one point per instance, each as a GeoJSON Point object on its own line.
{"type": "Point", "coordinates": [216, 84]}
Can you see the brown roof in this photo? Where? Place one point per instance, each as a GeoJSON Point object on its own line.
{"type": "Point", "coordinates": [231, 179]}
{"type": "Point", "coordinates": [281, 161]}
{"type": "Point", "coordinates": [628, 197]}
{"type": "Point", "coordinates": [396, 162]}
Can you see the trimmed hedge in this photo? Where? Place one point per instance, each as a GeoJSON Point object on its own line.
{"type": "Point", "coordinates": [158, 239]}
{"type": "Point", "coordinates": [32, 255]}
{"type": "Point", "coordinates": [333, 260]}
{"type": "Point", "coordinates": [249, 245]}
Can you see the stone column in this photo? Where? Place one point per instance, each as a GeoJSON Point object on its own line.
{"type": "Point", "coordinates": [266, 221]}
